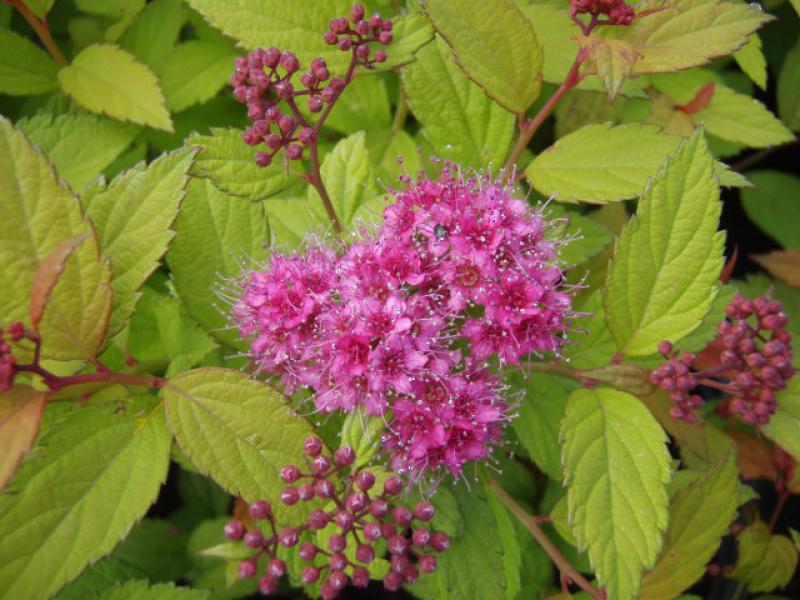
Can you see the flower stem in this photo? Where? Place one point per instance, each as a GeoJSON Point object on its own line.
{"type": "Point", "coordinates": [531, 524]}
{"type": "Point", "coordinates": [43, 31]}
{"type": "Point", "coordinates": [527, 128]}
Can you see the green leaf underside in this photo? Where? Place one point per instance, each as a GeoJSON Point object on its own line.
{"type": "Point", "coordinates": [663, 277]}
{"type": "Point", "coordinates": [616, 467]}
{"type": "Point", "coordinates": [237, 430]}
{"type": "Point", "coordinates": [699, 516]}
{"type": "Point", "coordinates": [230, 164]}
{"type": "Point", "coordinates": [459, 121]}
{"type": "Point", "coordinates": [194, 72]}
{"type": "Point", "coordinates": [539, 419]}
{"type": "Point", "coordinates": [94, 476]}
{"type": "Point", "coordinates": [24, 67]}
{"type": "Point", "coordinates": [104, 78]}
{"type": "Point", "coordinates": [214, 233]}
{"type": "Point", "coordinates": [507, 63]}
{"type": "Point", "coordinates": [39, 214]}
{"type": "Point", "coordinates": [133, 215]}
{"type": "Point", "coordinates": [80, 145]}
{"type": "Point", "coordinates": [155, 31]}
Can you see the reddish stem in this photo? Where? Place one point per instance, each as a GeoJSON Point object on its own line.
{"type": "Point", "coordinates": [563, 565]}
{"type": "Point", "coordinates": [43, 31]}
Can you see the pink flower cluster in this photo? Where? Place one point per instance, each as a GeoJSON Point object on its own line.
{"type": "Point", "coordinates": [408, 318]}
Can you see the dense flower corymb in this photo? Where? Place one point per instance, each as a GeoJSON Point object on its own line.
{"type": "Point", "coordinates": [406, 320]}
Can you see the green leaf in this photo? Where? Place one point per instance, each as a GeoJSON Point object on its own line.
{"type": "Point", "coordinates": [507, 63]}
{"type": "Point", "coordinates": [365, 105]}
{"type": "Point", "coordinates": [156, 548]}
{"type": "Point", "coordinates": [277, 23]}
{"type": "Point", "coordinates": [788, 93]}
{"type": "Point", "coordinates": [772, 205]}
{"type": "Point", "coordinates": [39, 7]}
{"type": "Point", "coordinates": [509, 544]}
{"type": "Point", "coordinates": [539, 419]}
{"type": "Point", "coordinates": [38, 215]}
{"type": "Point", "coordinates": [24, 67]}
{"type": "Point", "coordinates": [362, 432]}
{"type": "Point", "coordinates": [616, 467]}
{"type": "Point", "coordinates": [460, 122]}
{"type": "Point", "coordinates": [213, 233]}
{"type": "Point", "coordinates": [687, 33]}
{"type": "Point", "coordinates": [95, 474]}
{"type": "Point", "coordinates": [105, 79]}
{"type": "Point", "coordinates": [155, 31]}
{"type": "Point", "coordinates": [348, 177]}
{"type": "Point", "coordinates": [554, 29]}
{"type": "Point", "coordinates": [699, 516]}
{"type": "Point", "coordinates": [410, 31]}
{"type": "Point", "coordinates": [601, 163]}
{"type": "Point", "coordinates": [20, 413]}
{"type": "Point", "coordinates": [750, 59]}
{"type": "Point", "coordinates": [143, 590]}
{"type": "Point", "coordinates": [784, 426]}
{"type": "Point", "coordinates": [230, 164]}
{"type": "Point", "coordinates": [473, 566]}
{"type": "Point", "coordinates": [586, 236]}
{"type": "Point", "coordinates": [133, 215]}
{"type": "Point", "coordinates": [291, 219]}
{"type": "Point", "coordinates": [160, 330]}
{"type": "Point", "coordinates": [194, 72]}
{"type": "Point", "coordinates": [97, 578]}
{"type": "Point", "coordinates": [593, 344]}
{"type": "Point", "coordinates": [663, 277]}
{"type": "Point", "coordinates": [740, 118]}
{"type": "Point", "coordinates": [237, 430]}
{"type": "Point", "coordinates": [115, 9]}
{"type": "Point", "coordinates": [707, 331]}
{"type": "Point", "coordinates": [765, 561]}
{"type": "Point", "coordinates": [80, 145]}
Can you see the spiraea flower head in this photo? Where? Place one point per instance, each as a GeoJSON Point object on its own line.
{"type": "Point", "coordinates": [410, 320]}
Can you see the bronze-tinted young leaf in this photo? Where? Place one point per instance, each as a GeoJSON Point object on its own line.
{"type": "Point", "coordinates": [782, 264]}
{"type": "Point", "coordinates": [20, 412]}
{"type": "Point", "coordinates": [46, 277]}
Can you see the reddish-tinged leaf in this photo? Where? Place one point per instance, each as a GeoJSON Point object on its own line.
{"type": "Point", "coordinates": [725, 276]}
{"type": "Point", "coordinates": [753, 456]}
{"type": "Point", "coordinates": [700, 100]}
{"type": "Point", "coordinates": [783, 264]}
{"type": "Point", "coordinates": [20, 413]}
{"type": "Point", "coordinates": [47, 275]}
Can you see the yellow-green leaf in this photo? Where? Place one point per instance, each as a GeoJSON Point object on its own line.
{"type": "Point", "coordinates": [237, 430]}
{"type": "Point", "coordinates": [700, 513]}
{"type": "Point", "coordinates": [616, 467]}
{"type": "Point", "coordinates": [663, 277]}
{"type": "Point", "coordinates": [784, 426]}
{"type": "Point", "coordinates": [750, 59]}
{"type": "Point", "coordinates": [20, 413]}
{"type": "Point", "coordinates": [24, 67]}
{"type": "Point", "coordinates": [459, 121]}
{"type": "Point", "coordinates": [133, 216]}
{"type": "Point", "coordinates": [687, 33]}
{"type": "Point", "coordinates": [507, 61]}
{"type": "Point", "coordinates": [105, 79]}
{"type": "Point", "coordinates": [766, 561]}
{"type": "Point", "coordinates": [788, 93]}
{"type": "Point", "coordinates": [38, 215]}
{"type": "Point", "coordinates": [194, 72]}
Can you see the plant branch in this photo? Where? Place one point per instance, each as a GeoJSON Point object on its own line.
{"type": "Point", "coordinates": [43, 31]}
{"type": "Point", "coordinates": [531, 524]}
{"type": "Point", "coordinates": [528, 128]}
{"type": "Point", "coordinates": [783, 496]}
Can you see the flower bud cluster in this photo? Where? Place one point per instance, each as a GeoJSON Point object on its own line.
{"type": "Point", "coordinates": [755, 359]}
{"type": "Point", "coordinates": [617, 11]}
{"type": "Point", "coordinates": [359, 517]}
{"type": "Point", "coordinates": [265, 82]}
{"type": "Point", "coordinates": [383, 323]}
{"type": "Point", "coordinates": [8, 364]}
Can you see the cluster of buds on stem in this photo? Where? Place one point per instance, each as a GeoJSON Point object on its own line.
{"type": "Point", "coordinates": [265, 78]}
{"type": "Point", "coordinates": [617, 11]}
{"type": "Point", "coordinates": [361, 519]}
{"type": "Point", "coordinates": [8, 364]}
{"type": "Point", "coordinates": [755, 361]}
